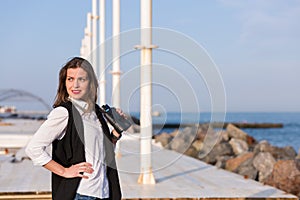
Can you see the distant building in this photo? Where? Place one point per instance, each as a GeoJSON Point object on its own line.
{"type": "Point", "coordinates": [8, 109]}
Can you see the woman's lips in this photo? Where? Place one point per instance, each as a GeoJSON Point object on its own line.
{"type": "Point", "coordinates": [76, 91]}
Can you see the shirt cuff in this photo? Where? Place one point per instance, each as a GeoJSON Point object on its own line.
{"type": "Point", "coordinates": [38, 160]}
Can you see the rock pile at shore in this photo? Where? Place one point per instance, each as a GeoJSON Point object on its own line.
{"type": "Point", "coordinates": [234, 150]}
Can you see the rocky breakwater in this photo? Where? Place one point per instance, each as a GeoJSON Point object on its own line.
{"type": "Point", "coordinates": [234, 150]}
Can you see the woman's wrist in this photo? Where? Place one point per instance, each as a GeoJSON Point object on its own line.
{"type": "Point", "coordinates": [115, 135]}
{"type": "Point", "coordinates": [56, 168]}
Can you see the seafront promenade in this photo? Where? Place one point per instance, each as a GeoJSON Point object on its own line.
{"type": "Point", "coordinates": [181, 177]}
{"type": "Point", "coordinates": [177, 177]}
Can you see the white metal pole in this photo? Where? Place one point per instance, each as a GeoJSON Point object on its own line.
{"type": "Point", "coordinates": [82, 49]}
{"type": "Point", "coordinates": [116, 96]}
{"type": "Point", "coordinates": [88, 35]}
{"type": "Point", "coordinates": [102, 54]}
{"type": "Point", "coordinates": [94, 35]}
{"type": "Point", "coordinates": [146, 175]}
{"type": "Point", "coordinates": [116, 54]}
{"type": "Point", "coordinates": [86, 44]}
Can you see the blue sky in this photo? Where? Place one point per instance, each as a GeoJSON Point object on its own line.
{"type": "Point", "coordinates": [254, 44]}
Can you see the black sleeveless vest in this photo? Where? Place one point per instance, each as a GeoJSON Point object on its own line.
{"type": "Point", "coordinates": [70, 150]}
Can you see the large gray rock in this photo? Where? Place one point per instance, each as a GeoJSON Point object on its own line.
{"type": "Point", "coordinates": [247, 170]}
{"type": "Point", "coordinates": [178, 144]}
{"type": "Point", "coordinates": [284, 153]}
{"type": "Point", "coordinates": [221, 149]}
{"type": "Point", "coordinates": [202, 131]}
{"type": "Point", "coordinates": [192, 152]}
{"type": "Point", "coordinates": [188, 134]}
{"type": "Point", "coordinates": [221, 161]}
{"type": "Point", "coordinates": [163, 138]}
{"type": "Point", "coordinates": [235, 132]}
{"type": "Point", "coordinates": [183, 139]}
{"type": "Point", "coordinates": [198, 145]}
{"type": "Point", "coordinates": [233, 163]}
{"type": "Point", "coordinates": [264, 162]}
{"type": "Point", "coordinates": [225, 136]}
{"type": "Point", "coordinates": [279, 153]}
{"type": "Point", "coordinates": [262, 146]}
{"type": "Point", "coordinates": [238, 146]}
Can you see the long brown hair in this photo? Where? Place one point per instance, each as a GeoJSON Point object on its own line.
{"type": "Point", "coordinates": [62, 94]}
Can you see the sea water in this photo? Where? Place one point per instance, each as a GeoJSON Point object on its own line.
{"type": "Point", "coordinates": [289, 135]}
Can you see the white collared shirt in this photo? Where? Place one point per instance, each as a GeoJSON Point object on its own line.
{"type": "Point", "coordinates": [55, 128]}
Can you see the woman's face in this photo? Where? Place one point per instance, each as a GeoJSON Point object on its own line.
{"type": "Point", "coordinates": [77, 83]}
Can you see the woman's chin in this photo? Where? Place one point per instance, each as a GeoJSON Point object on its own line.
{"type": "Point", "coordinates": [77, 97]}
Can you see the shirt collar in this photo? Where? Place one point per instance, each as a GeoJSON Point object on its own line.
{"type": "Point", "coordinates": [79, 104]}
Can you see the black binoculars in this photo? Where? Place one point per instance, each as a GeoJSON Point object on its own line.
{"type": "Point", "coordinates": [115, 119]}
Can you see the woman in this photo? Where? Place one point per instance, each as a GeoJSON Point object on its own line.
{"type": "Point", "coordinates": [82, 162]}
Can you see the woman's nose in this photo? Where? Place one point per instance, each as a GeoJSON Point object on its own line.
{"type": "Point", "coordinates": [76, 84]}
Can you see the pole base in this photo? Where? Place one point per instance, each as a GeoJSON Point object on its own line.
{"type": "Point", "coordinates": [146, 178]}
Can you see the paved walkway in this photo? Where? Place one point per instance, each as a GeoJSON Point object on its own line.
{"type": "Point", "coordinates": [177, 176]}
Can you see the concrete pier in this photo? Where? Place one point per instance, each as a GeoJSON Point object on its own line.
{"type": "Point", "coordinates": [182, 177]}
{"type": "Point", "coordinates": [177, 177]}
